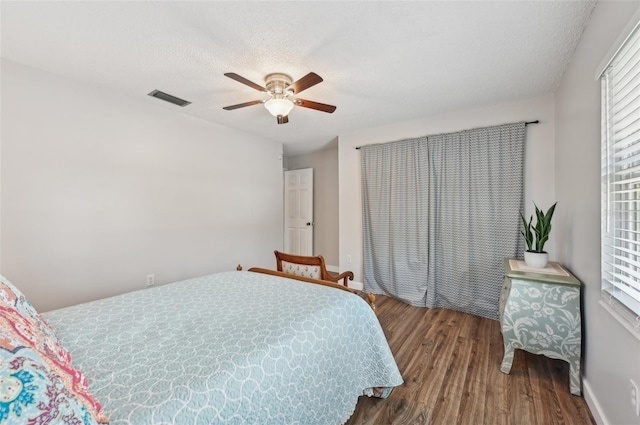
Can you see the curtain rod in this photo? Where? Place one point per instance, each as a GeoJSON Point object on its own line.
{"type": "Point", "coordinates": [526, 123]}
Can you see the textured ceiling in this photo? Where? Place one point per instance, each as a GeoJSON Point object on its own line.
{"type": "Point", "coordinates": [382, 62]}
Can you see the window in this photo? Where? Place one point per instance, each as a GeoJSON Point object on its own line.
{"type": "Point", "coordinates": [620, 83]}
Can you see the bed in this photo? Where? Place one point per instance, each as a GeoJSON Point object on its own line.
{"type": "Point", "coordinates": [230, 348]}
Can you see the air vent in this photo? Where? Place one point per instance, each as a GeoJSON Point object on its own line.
{"type": "Point", "coordinates": [168, 98]}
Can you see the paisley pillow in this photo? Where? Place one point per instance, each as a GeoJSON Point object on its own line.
{"type": "Point", "coordinates": [13, 297]}
{"type": "Point", "coordinates": [18, 330]}
{"type": "Point", "coordinates": [22, 328]}
{"type": "Point", "coordinates": [33, 393]}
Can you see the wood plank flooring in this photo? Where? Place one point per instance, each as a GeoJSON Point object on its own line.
{"type": "Point", "coordinates": [450, 362]}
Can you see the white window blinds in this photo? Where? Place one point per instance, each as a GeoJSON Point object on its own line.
{"type": "Point", "coordinates": [621, 181]}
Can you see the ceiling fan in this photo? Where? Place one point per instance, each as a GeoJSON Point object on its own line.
{"type": "Point", "coordinates": [282, 92]}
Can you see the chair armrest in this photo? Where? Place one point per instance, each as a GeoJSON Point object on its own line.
{"type": "Point", "coordinates": [337, 278]}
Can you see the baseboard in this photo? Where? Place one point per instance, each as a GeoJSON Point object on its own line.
{"type": "Point", "coordinates": [334, 269]}
{"type": "Point", "coordinates": [594, 406]}
{"type": "Point", "coordinates": [356, 285]}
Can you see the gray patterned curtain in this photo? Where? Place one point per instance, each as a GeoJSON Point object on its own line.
{"type": "Point", "coordinates": [440, 214]}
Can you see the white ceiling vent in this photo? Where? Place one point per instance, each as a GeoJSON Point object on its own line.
{"type": "Point", "coordinates": [168, 98]}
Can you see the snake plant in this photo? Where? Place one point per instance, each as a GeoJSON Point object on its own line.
{"type": "Point", "coordinates": [540, 230]}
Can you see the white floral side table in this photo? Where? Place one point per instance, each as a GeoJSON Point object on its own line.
{"type": "Point", "coordinates": [540, 313]}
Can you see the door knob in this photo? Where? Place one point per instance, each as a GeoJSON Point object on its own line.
{"type": "Point", "coordinates": [309, 223]}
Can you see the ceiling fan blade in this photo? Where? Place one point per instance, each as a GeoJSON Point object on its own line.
{"type": "Point", "coordinates": [244, 81]}
{"type": "Point", "coordinates": [242, 105]}
{"type": "Point", "coordinates": [309, 80]}
{"type": "Point", "coordinates": [282, 119]}
{"type": "Point", "coordinates": [315, 105]}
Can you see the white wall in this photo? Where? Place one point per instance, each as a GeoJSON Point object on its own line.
{"type": "Point", "coordinates": [325, 200]}
{"type": "Point", "coordinates": [612, 354]}
{"type": "Point", "coordinates": [539, 161]}
{"type": "Point", "coordinates": [99, 190]}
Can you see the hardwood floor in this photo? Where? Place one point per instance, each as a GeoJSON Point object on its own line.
{"type": "Point", "coordinates": [450, 362]}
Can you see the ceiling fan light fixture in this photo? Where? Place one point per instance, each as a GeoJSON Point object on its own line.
{"type": "Point", "coordinates": [281, 91]}
{"type": "Point", "coordinates": [279, 107]}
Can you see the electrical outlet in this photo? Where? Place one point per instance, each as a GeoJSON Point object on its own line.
{"type": "Point", "coordinates": [151, 279]}
{"type": "Point", "coordinates": [635, 397]}
{"type": "Point", "coordinates": [349, 259]}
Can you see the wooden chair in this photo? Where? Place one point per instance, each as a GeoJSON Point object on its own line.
{"type": "Point", "coordinates": [313, 267]}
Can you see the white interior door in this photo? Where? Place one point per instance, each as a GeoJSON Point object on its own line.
{"type": "Point", "coordinates": [298, 211]}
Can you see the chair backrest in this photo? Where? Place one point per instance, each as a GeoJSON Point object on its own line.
{"type": "Point", "coordinates": [300, 265]}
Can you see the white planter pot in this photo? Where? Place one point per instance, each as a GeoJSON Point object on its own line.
{"type": "Point", "coordinates": [536, 260]}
